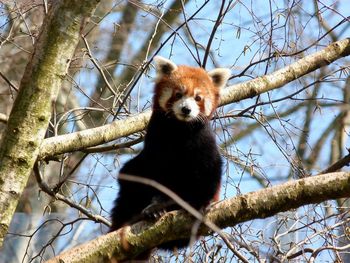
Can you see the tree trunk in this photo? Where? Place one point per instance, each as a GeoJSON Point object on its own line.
{"type": "Point", "coordinates": [31, 111]}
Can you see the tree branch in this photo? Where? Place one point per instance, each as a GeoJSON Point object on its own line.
{"type": "Point", "coordinates": [281, 77]}
{"type": "Point", "coordinates": [345, 161]}
{"type": "Point", "coordinates": [96, 136]}
{"type": "Point", "coordinates": [264, 203]}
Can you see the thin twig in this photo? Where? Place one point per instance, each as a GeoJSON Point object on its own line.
{"type": "Point", "coordinates": [317, 251]}
{"type": "Point", "coordinates": [113, 147]}
{"type": "Point", "coordinates": [9, 82]}
{"type": "Point", "coordinates": [93, 60]}
{"type": "Point", "coordinates": [45, 188]}
{"type": "Point", "coordinates": [345, 161]}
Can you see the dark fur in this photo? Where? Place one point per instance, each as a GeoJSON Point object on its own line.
{"type": "Point", "coordinates": [179, 155]}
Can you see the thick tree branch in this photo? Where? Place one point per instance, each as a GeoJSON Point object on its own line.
{"type": "Point", "coordinates": [260, 204]}
{"type": "Point", "coordinates": [95, 136]}
{"type": "Point", "coordinates": [31, 111]}
{"type": "Point", "coordinates": [92, 137]}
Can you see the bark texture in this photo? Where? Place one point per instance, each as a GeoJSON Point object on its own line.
{"type": "Point", "coordinates": [32, 108]}
{"type": "Point", "coordinates": [80, 140]}
{"type": "Point", "coordinates": [260, 204]}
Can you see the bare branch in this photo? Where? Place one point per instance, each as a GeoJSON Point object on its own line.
{"type": "Point", "coordinates": [345, 161]}
{"type": "Point", "coordinates": [281, 77]}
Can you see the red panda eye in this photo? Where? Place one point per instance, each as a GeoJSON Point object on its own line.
{"type": "Point", "coordinates": [198, 98]}
{"type": "Point", "coordinates": [178, 95]}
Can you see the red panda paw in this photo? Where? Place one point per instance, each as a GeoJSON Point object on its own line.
{"type": "Point", "coordinates": [157, 208]}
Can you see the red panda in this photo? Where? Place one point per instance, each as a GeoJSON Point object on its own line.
{"type": "Point", "coordinates": [179, 151]}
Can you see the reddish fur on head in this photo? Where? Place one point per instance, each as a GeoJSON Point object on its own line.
{"type": "Point", "coordinates": [187, 92]}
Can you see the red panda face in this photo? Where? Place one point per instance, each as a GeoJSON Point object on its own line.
{"type": "Point", "coordinates": [187, 93]}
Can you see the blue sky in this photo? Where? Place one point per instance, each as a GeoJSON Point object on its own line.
{"type": "Point", "coordinates": [242, 38]}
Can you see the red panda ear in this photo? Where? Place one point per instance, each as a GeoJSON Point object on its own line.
{"type": "Point", "coordinates": [219, 76]}
{"type": "Point", "coordinates": [164, 67]}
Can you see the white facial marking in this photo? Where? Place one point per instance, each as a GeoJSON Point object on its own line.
{"type": "Point", "coordinates": [208, 107]}
{"type": "Point", "coordinates": [165, 95]}
{"type": "Point", "coordinates": [189, 103]}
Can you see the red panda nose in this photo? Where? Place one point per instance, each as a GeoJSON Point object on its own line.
{"type": "Point", "coordinates": [185, 110]}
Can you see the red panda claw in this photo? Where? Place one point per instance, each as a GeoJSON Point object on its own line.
{"type": "Point", "coordinates": [157, 208]}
